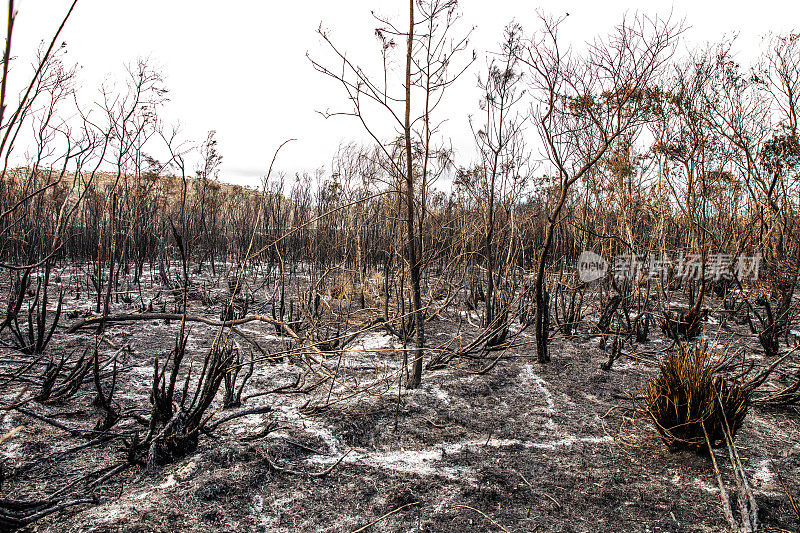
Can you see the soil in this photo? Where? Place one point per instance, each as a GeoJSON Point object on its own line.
{"type": "Point", "coordinates": [522, 447]}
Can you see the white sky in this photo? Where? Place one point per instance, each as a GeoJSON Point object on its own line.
{"type": "Point", "coordinates": [240, 67]}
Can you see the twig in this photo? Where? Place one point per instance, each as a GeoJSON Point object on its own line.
{"type": "Point", "coordinates": [791, 500]}
{"type": "Point", "coordinates": [723, 493]}
{"type": "Point", "coordinates": [387, 515]}
{"type": "Point", "coordinates": [11, 434]}
{"type": "Point", "coordinates": [303, 446]}
{"type": "Point", "coordinates": [484, 515]}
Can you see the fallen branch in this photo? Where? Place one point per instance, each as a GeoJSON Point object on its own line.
{"type": "Point", "coordinates": [324, 473]}
{"type": "Point", "coordinates": [254, 411]}
{"type": "Point", "coordinates": [15, 514]}
{"type": "Point", "coordinates": [132, 317]}
{"type": "Point", "coordinates": [55, 423]}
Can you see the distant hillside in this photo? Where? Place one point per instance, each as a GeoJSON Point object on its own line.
{"type": "Point", "coordinates": [169, 185]}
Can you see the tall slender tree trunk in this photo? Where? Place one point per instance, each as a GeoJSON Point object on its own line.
{"type": "Point", "coordinates": [413, 260]}
{"type": "Point", "coordinates": [541, 318]}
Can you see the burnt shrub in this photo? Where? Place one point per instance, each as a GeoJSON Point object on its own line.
{"type": "Point", "coordinates": [688, 395]}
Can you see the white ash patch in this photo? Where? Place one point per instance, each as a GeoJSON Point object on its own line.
{"type": "Point", "coordinates": [145, 371]}
{"type": "Point", "coordinates": [11, 450]}
{"type": "Point", "coordinates": [263, 369]}
{"type": "Point", "coordinates": [245, 423]}
{"type": "Point", "coordinates": [471, 316]}
{"type": "Point", "coordinates": [711, 489]}
{"type": "Point", "coordinates": [313, 427]}
{"type": "Point", "coordinates": [424, 461]}
{"type": "Point", "coordinates": [427, 389]}
{"type": "Point", "coordinates": [261, 336]}
{"type": "Point", "coordinates": [119, 511]}
{"type": "Point", "coordinates": [627, 365]}
{"type": "Point", "coordinates": [420, 462]}
{"type": "Point", "coordinates": [113, 514]}
{"type": "Point", "coordinates": [764, 475]}
{"type": "Point", "coordinates": [169, 482]}
{"type": "Point", "coordinates": [529, 375]}
{"type": "Point", "coordinates": [258, 510]}
{"type": "Point", "coordinates": [374, 341]}
{"type": "Point", "coordinates": [439, 394]}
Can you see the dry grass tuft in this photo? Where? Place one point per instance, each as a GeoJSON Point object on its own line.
{"type": "Point", "coordinates": [343, 287]}
{"type": "Point", "coordinates": [687, 394]}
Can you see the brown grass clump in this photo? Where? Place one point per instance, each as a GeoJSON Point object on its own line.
{"type": "Point", "coordinates": [687, 395]}
{"type": "Point", "coordinates": [343, 287]}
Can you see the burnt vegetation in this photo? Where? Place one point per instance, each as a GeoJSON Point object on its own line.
{"type": "Point", "coordinates": [319, 326]}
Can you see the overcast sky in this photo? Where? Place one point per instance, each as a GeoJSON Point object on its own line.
{"type": "Point", "coordinates": [240, 68]}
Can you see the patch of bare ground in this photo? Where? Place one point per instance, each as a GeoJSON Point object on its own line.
{"type": "Point", "coordinates": [524, 447]}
